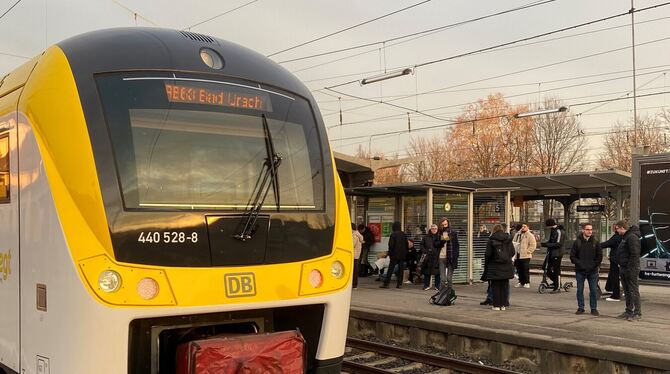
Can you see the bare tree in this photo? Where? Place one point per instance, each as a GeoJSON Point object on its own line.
{"type": "Point", "coordinates": [485, 138]}
{"type": "Point", "coordinates": [434, 165]}
{"type": "Point", "coordinates": [560, 144]}
{"type": "Point", "coordinates": [651, 132]}
{"type": "Point", "coordinates": [389, 175]}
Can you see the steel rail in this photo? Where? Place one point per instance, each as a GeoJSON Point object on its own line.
{"type": "Point", "coordinates": [415, 356]}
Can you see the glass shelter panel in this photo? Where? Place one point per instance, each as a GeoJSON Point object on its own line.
{"type": "Point", "coordinates": [454, 206]}
{"type": "Point", "coordinates": [488, 210]}
{"type": "Point", "coordinates": [380, 216]}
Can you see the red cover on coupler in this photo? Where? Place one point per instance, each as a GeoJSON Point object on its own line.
{"type": "Point", "coordinates": [280, 352]}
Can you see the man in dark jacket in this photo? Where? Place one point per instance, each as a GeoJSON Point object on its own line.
{"type": "Point", "coordinates": [587, 255]}
{"type": "Point", "coordinates": [368, 240]}
{"type": "Point", "coordinates": [450, 248]}
{"type": "Point", "coordinates": [613, 281]}
{"type": "Point", "coordinates": [628, 257]}
{"type": "Point", "coordinates": [555, 252]}
{"type": "Point", "coordinates": [397, 253]}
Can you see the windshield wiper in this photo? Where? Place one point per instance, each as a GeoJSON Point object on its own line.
{"type": "Point", "coordinates": [266, 179]}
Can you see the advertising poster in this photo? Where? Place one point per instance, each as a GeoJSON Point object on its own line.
{"type": "Point", "coordinates": [375, 226]}
{"type": "Point", "coordinates": [387, 225]}
{"type": "Point", "coordinates": [655, 221]}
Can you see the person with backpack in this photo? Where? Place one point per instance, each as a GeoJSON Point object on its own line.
{"type": "Point", "coordinates": [368, 241]}
{"type": "Point", "coordinates": [499, 266]}
{"type": "Point", "coordinates": [555, 252]}
{"type": "Point", "coordinates": [587, 255]}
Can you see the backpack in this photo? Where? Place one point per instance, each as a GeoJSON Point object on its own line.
{"type": "Point", "coordinates": [445, 296]}
{"type": "Point", "coordinates": [503, 253]}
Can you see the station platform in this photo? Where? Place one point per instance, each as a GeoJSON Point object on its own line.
{"type": "Point", "coordinates": [534, 320]}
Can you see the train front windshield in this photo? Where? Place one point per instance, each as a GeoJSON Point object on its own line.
{"type": "Point", "coordinates": [199, 143]}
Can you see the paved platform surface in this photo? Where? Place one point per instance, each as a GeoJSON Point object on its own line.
{"type": "Point", "coordinates": [548, 317]}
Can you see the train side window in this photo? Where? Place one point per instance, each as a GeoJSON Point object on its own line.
{"type": "Point", "coordinates": [4, 168]}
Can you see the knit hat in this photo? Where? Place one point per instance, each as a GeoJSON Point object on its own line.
{"type": "Point", "coordinates": [550, 222]}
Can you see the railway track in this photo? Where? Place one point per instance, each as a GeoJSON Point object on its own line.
{"type": "Point", "coordinates": [369, 357]}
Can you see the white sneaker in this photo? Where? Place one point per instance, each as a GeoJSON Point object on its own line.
{"type": "Point", "coordinates": [502, 308]}
{"type": "Point", "coordinates": [408, 282]}
{"type": "Point", "coordinates": [495, 308]}
{"type": "Point", "coordinates": [427, 289]}
{"type": "Point", "coordinates": [527, 285]}
{"type": "Point", "coordinates": [518, 285]}
{"type": "Point", "coordinates": [610, 299]}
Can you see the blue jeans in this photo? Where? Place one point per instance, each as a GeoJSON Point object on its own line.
{"type": "Point", "coordinates": [426, 281]}
{"type": "Point", "coordinates": [593, 289]}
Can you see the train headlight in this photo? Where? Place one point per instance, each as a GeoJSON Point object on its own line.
{"type": "Point", "coordinates": [109, 281]}
{"type": "Point", "coordinates": [337, 269]}
{"type": "Point", "coordinates": [211, 58]}
{"type": "Point", "coordinates": [315, 278]}
{"type": "Point", "coordinates": [147, 288]}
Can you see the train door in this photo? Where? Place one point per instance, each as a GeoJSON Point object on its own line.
{"type": "Point", "coordinates": [9, 234]}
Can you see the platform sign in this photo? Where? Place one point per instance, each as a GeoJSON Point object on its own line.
{"type": "Point", "coordinates": [655, 221]}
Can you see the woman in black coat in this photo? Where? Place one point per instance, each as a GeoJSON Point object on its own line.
{"type": "Point", "coordinates": [499, 273]}
{"type": "Point", "coordinates": [430, 266]}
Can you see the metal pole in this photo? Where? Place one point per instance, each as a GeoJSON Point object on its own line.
{"type": "Point", "coordinates": [508, 210]}
{"type": "Point", "coordinates": [632, 30]}
{"type": "Point", "coordinates": [429, 207]}
{"type": "Point", "coordinates": [470, 228]}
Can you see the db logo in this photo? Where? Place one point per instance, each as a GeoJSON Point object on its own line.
{"type": "Point", "coordinates": [240, 284]}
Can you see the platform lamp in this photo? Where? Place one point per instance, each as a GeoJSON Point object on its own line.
{"type": "Point", "coordinates": [385, 76]}
{"type": "Point", "coordinates": [540, 112]}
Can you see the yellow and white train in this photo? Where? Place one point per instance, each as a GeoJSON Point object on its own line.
{"type": "Point", "coordinates": [160, 186]}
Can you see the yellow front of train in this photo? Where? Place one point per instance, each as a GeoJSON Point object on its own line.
{"type": "Point", "coordinates": [185, 189]}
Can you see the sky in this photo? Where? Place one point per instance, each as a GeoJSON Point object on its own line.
{"type": "Point", "coordinates": [579, 66]}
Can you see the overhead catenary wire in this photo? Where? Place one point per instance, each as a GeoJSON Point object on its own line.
{"type": "Point", "coordinates": [461, 55]}
{"type": "Point", "coordinates": [428, 31]}
{"type": "Point", "coordinates": [134, 13]}
{"type": "Point", "coordinates": [500, 49]}
{"type": "Point", "coordinates": [512, 85]}
{"type": "Point", "coordinates": [10, 9]}
{"type": "Point", "coordinates": [450, 123]}
{"type": "Point", "coordinates": [395, 116]}
{"type": "Point", "coordinates": [348, 28]}
{"type": "Point", "coordinates": [504, 75]}
{"type": "Point", "coordinates": [405, 152]}
{"type": "Point", "coordinates": [219, 15]}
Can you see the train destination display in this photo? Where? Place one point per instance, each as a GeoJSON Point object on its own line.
{"type": "Point", "coordinates": [230, 97]}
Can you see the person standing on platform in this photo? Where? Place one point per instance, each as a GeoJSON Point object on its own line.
{"type": "Point", "coordinates": [368, 241]}
{"type": "Point", "coordinates": [430, 247]}
{"type": "Point", "coordinates": [613, 282]}
{"type": "Point", "coordinates": [525, 244]}
{"type": "Point", "coordinates": [587, 255]}
{"type": "Point", "coordinates": [448, 252]}
{"type": "Point", "coordinates": [411, 260]}
{"type": "Point", "coordinates": [358, 244]}
{"type": "Point", "coordinates": [397, 253]}
{"type": "Point", "coordinates": [499, 267]}
{"type": "Point", "coordinates": [554, 252]}
{"type": "Point", "coordinates": [628, 257]}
